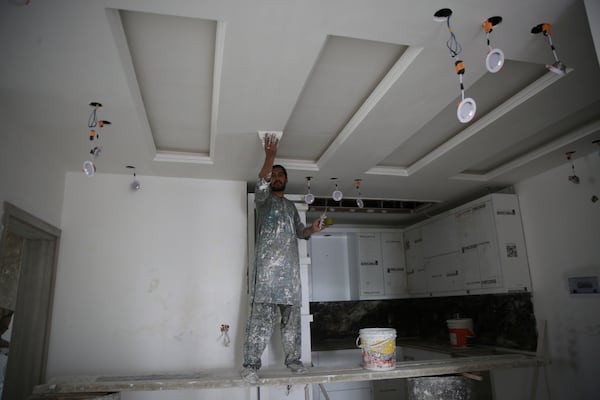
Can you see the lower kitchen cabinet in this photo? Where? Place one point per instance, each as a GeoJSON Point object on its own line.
{"type": "Point", "coordinates": [390, 389]}
{"type": "Point", "coordinates": [344, 392]}
{"type": "Point", "coordinates": [341, 390]}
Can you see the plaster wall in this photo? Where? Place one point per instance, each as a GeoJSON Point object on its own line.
{"type": "Point", "coordinates": [563, 239]}
{"type": "Point", "coordinates": [31, 177]}
{"type": "Point", "coordinates": [145, 279]}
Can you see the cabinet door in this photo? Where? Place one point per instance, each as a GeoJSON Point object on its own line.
{"type": "Point", "coordinates": [416, 277]}
{"type": "Point", "coordinates": [330, 278]}
{"type": "Point", "coordinates": [440, 237]}
{"type": "Point", "coordinates": [444, 273]}
{"type": "Point", "coordinates": [370, 266]}
{"type": "Point", "coordinates": [470, 267]}
{"type": "Point", "coordinates": [392, 256]}
{"type": "Point", "coordinates": [477, 238]}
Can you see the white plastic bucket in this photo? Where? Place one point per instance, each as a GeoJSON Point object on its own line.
{"type": "Point", "coordinates": [460, 330]}
{"type": "Point", "coordinates": [378, 348]}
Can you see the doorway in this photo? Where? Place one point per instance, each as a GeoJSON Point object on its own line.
{"type": "Point", "coordinates": [28, 258]}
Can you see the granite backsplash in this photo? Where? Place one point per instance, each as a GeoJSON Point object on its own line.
{"type": "Point", "coordinates": [502, 320]}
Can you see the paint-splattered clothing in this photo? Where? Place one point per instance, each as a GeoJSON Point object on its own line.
{"type": "Point", "coordinates": [275, 284]}
{"type": "Point", "coordinates": [276, 265]}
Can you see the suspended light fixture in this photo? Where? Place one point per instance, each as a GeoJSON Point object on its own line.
{"type": "Point", "coordinates": [494, 61]}
{"type": "Point", "coordinates": [467, 106]}
{"type": "Point", "coordinates": [309, 198]}
{"type": "Point", "coordinates": [89, 166]}
{"type": "Point", "coordinates": [337, 194]}
{"type": "Point", "coordinates": [572, 178]}
{"type": "Point", "coordinates": [557, 67]}
{"type": "Point", "coordinates": [135, 184]}
{"type": "Point", "coordinates": [359, 201]}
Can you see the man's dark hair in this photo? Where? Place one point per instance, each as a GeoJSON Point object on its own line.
{"type": "Point", "coordinates": [282, 168]}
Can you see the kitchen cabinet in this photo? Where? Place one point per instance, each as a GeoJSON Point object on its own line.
{"type": "Point", "coordinates": [381, 265]}
{"type": "Point", "coordinates": [444, 273]}
{"type": "Point", "coordinates": [439, 236]}
{"type": "Point", "coordinates": [370, 269]}
{"type": "Point", "coordinates": [397, 389]}
{"type": "Point", "coordinates": [330, 275]}
{"type": "Point", "coordinates": [416, 276]}
{"type": "Point", "coordinates": [392, 256]}
{"type": "Point", "coordinates": [348, 358]}
{"type": "Point", "coordinates": [354, 264]}
{"type": "Point", "coordinates": [493, 253]}
{"type": "Point", "coordinates": [476, 248]}
{"type": "Point", "coordinates": [479, 252]}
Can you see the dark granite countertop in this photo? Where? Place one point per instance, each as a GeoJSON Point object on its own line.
{"type": "Point", "coordinates": [430, 344]}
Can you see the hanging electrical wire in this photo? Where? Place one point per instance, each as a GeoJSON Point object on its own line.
{"type": "Point", "coordinates": [452, 43]}
{"type": "Point", "coordinates": [89, 166]}
{"type": "Point", "coordinates": [558, 67]}
{"type": "Point", "coordinates": [572, 178]}
{"type": "Point", "coordinates": [466, 107]}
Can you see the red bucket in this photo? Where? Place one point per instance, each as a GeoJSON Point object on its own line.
{"type": "Point", "coordinates": [460, 330]}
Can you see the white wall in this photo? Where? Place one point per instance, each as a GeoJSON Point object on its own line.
{"type": "Point", "coordinates": [145, 279]}
{"type": "Point", "coordinates": [562, 231]}
{"type": "Point", "coordinates": [31, 178]}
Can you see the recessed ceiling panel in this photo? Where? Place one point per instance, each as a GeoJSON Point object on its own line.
{"type": "Point", "coordinates": [529, 143]}
{"type": "Point", "coordinates": [173, 58]}
{"type": "Point", "coordinates": [489, 92]}
{"type": "Point", "coordinates": [344, 75]}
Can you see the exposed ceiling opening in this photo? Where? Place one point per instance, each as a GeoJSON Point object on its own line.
{"type": "Point", "coordinates": [369, 206]}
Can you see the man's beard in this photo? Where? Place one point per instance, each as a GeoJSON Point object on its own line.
{"type": "Point", "coordinates": [277, 186]}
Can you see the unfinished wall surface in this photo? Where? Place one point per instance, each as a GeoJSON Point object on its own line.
{"type": "Point", "coordinates": [562, 231]}
{"type": "Point", "coordinates": [31, 177]}
{"type": "Point", "coordinates": [145, 279]}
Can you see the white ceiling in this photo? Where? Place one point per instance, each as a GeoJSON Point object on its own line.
{"type": "Point", "coordinates": [361, 89]}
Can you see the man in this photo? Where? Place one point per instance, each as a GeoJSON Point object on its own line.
{"type": "Point", "coordinates": [275, 284]}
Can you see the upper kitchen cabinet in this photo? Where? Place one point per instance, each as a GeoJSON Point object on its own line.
{"type": "Point", "coordinates": [493, 244]}
{"type": "Point", "coordinates": [357, 263]}
{"type": "Point", "coordinates": [370, 266]}
{"type": "Point", "coordinates": [381, 265]}
{"type": "Point", "coordinates": [416, 276]}
{"type": "Point", "coordinates": [439, 236]}
{"type": "Point", "coordinates": [394, 270]}
{"type": "Point", "coordinates": [479, 247]}
{"type": "Point", "coordinates": [476, 248]}
{"type": "Point", "coordinates": [330, 268]}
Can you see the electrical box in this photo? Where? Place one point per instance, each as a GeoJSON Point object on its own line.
{"type": "Point", "coordinates": [583, 284]}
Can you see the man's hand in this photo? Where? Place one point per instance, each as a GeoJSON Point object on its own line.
{"type": "Point", "coordinates": [270, 146]}
{"type": "Point", "coordinates": [271, 143]}
{"type": "Point", "coordinates": [317, 225]}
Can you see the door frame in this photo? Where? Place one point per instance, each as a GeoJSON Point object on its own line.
{"type": "Point", "coordinates": [28, 349]}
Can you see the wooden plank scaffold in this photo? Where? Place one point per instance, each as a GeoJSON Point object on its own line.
{"type": "Point", "coordinates": [109, 387]}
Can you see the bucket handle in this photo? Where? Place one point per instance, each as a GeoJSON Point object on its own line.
{"type": "Point", "coordinates": [361, 346]}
